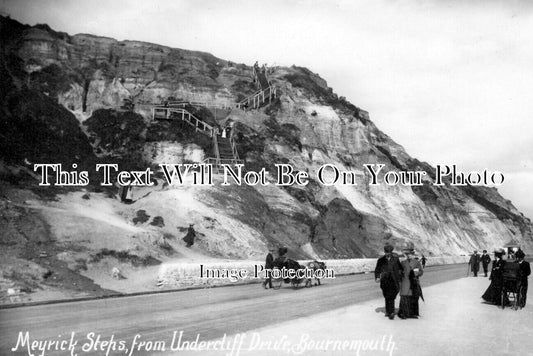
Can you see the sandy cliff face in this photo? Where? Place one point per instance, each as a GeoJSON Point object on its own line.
{"type": "Point", "coordinates": [106, 71]}
{"type": "Point", "coordinates": [308, 126]}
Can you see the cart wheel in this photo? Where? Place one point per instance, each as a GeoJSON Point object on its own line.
{"type": "Point", "coordinates": [276, 283]}
{"type": "Point", "coordinates": [295, 284]}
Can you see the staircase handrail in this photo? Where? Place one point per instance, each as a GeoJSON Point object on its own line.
{"type": "Point", "coordinates": [196, 103]}
{"type": "Point", "coordinates": [207, 104]}
{"type": "Point", "coordinates": [230, 161]}
{"type": "Point", "coordinates": [191, 119]}
{"type": "Point", "coordinates": [260, 95]}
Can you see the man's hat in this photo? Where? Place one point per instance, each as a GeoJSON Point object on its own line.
{"type": "Point", "coordinates": [484, 251]}
{"type": "Point", "coordinates": [388, 248]}
{"type": "Point", "coordinates": [499, 251]}
{"type": "Point", "coordinates": [520, 254]}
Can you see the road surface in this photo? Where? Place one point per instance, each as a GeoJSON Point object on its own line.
{"type": "Point", "coordinates": [210, 313]}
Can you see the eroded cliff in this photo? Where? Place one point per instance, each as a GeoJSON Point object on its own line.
{"type": "Point", "coordinates": [86, 99]}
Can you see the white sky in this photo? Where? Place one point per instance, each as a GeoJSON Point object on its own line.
{"type": "Point", "coordinates": [450, 80]}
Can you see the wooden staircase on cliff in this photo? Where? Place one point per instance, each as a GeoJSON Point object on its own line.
{"type": "Point", "coordinates": [224, 147]}
{"type": "Point", "coordinates": [266, 91]}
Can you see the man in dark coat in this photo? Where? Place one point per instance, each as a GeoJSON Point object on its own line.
{"type": "Point", "coordinates": [485, 260]}
{"type": "Point", "coordinates": [423, 261]}
{"type": "Point", "coordinates": [474, 263]}
{"type": "Point", "coordinates": [525, 271]}
{"type": "Point", "coordinates": [269, 264]}
{"type": "Point", "coordinates": [388, 274]}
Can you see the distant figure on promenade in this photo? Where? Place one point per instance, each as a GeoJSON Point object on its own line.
{"type": "Point", "coordinates": [388, 274]}
{"type": "Point", "coordinates": [423, 260]}
{"type": "Point", "coordinates": [493, 294]}
{"type": "Point", "coordinates": [525, 271]}
{"type": "Point", "coordinates": [269, 264]}
{"type": "Point", "coordinates": [474, 263]}
{"type": "Point", "coordinates": [485, 260]}
{"type": "Point", "coordinates": [191, 234]}
{"type": "Point", "coordinates": [410, 289]}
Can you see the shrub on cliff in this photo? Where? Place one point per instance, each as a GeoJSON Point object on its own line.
{"type": "Point", "coordinates": [116, 130]}
{"type": "Point", "coordinates": [35, 128]}
{"type": "Point", "coordinates": [52, 80]}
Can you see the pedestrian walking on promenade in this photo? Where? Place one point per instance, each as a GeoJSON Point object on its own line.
{"type": "Point", "coordinates": [388, 275]}
{"type": "Point", "coordinates": [410, 290]}
{"type": "Point", "coordinates": [269, 264]}
{"type": "Point", "coordinates": [525, 271]}
{"type": "Point", "coordinates": [485, 260]}
{"type": "Point", "coordinates": [474, 263]}
{"type": "Point", "coordinates": [493, 294]}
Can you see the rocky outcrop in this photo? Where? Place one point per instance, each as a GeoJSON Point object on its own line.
{"type": "Point", "coordinates": [101, 72]}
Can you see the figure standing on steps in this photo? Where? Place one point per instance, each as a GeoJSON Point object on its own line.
{"type": "Point", "coordinates": [388, 275]}
{"type": "Point", "coordinates": [485, 260]}
{"type": "Point", "coordinates": [191, 234]}
{"type": "Point", "coordinates": [474, 263]}
{"type": "Point", "coordinates": [493, 294]}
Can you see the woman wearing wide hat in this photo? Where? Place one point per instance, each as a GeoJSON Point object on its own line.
{"type": "Point", "coordinates": [410, 289]}
{"type": "Point", "coordinates": [493, 294]}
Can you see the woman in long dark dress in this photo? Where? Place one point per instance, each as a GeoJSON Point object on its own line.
{"type": "Point", "coordinates": [410, 289]}
{"type": "Point", "coordinates": [493, 294]}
